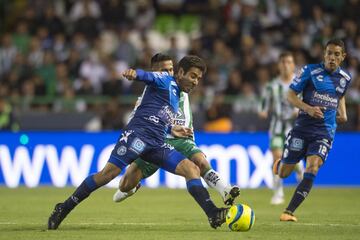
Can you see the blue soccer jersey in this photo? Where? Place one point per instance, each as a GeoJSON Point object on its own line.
{"type": "Point", "coordinates": [158, 106]}
{"type": "Point", "coordinates": [324, 89]}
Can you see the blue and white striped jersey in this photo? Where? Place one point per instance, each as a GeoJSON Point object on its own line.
{"type": "Point", "coordinates": [324, 89]}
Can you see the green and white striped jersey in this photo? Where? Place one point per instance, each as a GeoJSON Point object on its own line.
{"type": "Point", "coordinates": [183, 116]}
{"type": "Point", "coordinates": [274, 101]}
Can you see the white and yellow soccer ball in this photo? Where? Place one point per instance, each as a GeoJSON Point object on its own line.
{"type": "Point", "coordinates": [240, 218]}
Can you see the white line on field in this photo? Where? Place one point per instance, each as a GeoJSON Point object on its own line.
{"type": "Point", "coordinates": [182, 224]}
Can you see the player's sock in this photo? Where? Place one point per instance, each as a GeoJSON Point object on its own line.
{"type": "Point", "coordinates": [278, 196]}
{"type": "Point", "coordinates": [82, 192]}
{"type": "Point", "coordinates": [213, 180]}
{"type": "Point", "coordinates": [301, 192]}
{"type": "Point", "coordinates": [201, 195]}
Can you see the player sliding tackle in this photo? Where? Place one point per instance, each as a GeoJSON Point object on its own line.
{"type": "Point", "coordinates": [144, 136]}
{"type": "Point", "coordinates": [323, 87]}
{"type": "Point", "coordinates": [140, 169]}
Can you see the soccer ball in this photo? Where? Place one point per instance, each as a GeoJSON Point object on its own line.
{"type": "Point", "coordinates": [240, 218]}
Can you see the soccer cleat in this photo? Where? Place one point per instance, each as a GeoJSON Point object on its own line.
{"type": "Point", "coordinates": [287, 217]}
{"type": "Point", "coordinates": [276, 167]}
{"type": "Point", "coordinates": [57, 216]}
{"type": "Point", "coordinates": [121, 196]}
{"type": "Point", "coordinates": [277, 200]}
{"type": "Point", "coordinates": [218, 218]}
{"type": "Point", "coordinates": [230, 195]}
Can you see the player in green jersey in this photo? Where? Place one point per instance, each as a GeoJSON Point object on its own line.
{"type": "Point", "coordinates": [275, 105]}
{"type": "Point", "coordinates": [182, 139]}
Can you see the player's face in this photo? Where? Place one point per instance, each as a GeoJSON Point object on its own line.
{"type": "Point", "coordinates": [189, 80]}
{"type": "Point", "coordinates": [164, 66]}
{"type": "Point", "coordinates": [333, 57]}
{"type": "Point", "coordinates": [287, 65]}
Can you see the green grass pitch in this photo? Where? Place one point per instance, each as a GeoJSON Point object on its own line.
{"type": "Point", "coordinates": [328, 213]}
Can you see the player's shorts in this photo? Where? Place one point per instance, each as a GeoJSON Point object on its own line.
{"type": "Point", "coordinates": [187, 147]}
{"type": "Point", "coordinates": [298, 146]}
{"type": "Point", "coordinates": [277, 142]}
{"type": "Point", "coordinates": [132, 146]}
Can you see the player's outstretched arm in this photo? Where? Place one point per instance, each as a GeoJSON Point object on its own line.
{"type": "Point", "coordinates": [341, 113]}
{"type": "Point", "coordinates": [313, 111]}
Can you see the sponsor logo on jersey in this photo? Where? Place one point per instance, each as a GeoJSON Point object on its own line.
{"type": "Point", "coordinates": [125, 135]}
{"type": "Point", "coordinates": [342, 82]}
{"type": "Point", "coordinates": [324, 100]}
{"type": "Point", "coordinates": [166, 114]}
{"type": "Point", "coordinates": [168, 146]}
{"type": "Point", "coordinates": [340, 90]}
{"type": "Point", "coordinates": [296, 144]}
{"type": "Point", "coordinates": [316, 71]}
{"type": "Point", "coordinates": [137, 146]}
{"type": "Point", "coordinates": [121, 150]}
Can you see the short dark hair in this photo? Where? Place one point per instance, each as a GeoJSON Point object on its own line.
{"type": "Point", "coordinates": [190, 61]}
{"type": "Point", "coordinates": [160, 57]}
{"type": "Point", "coordinates": [337, 42]}
{"type": "Point", "coordinates": [286, 54]}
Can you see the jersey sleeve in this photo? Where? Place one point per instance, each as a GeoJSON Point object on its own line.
{"type": "Point", "coordinates": [157, 79]}
{"type": "Point", "coordinates": [348, 78]}
{"type": "Point", "coordinates": [301, 79]}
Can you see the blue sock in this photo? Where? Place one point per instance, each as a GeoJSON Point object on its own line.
{"type": "Point", "coordinates": [82, 192]}
{"type": "Point", "coordinates": [301, 192]}
{"type": "Point", "coordinates": [201, 195]}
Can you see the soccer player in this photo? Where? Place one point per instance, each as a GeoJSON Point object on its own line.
{"type": "Point", "coordinates": [282, 114]}
{"type": "Point", "coordinates": [144, 137]}
{"type": "Point", "coordinates": [323, 87]}
{"type": "Point", "coordinates": [140, 169]}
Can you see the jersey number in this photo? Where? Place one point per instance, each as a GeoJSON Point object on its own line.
{"type": "Point", "coordinates": [322, 150]}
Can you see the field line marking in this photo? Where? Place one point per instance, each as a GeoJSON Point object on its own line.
{"type": "Point", "coordinates": [182, 224]}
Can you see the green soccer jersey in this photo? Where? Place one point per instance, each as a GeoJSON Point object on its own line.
{"type": "Point", "coordinates": [274, 101]}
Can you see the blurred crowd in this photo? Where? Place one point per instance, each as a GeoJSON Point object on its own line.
{"type": "Point", "coordinates": [67, 55]}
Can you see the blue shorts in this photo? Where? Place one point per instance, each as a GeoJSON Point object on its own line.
{"type": "Point", "coordinates": [299, 145]}
{"type": "Point", "coordinates": [131, 146]}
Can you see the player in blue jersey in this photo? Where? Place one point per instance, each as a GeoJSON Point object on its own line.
{"type": "Point", "coordinates": [144, 136]}
{"type": "Point", "coordinates": [185, 144]}
{"type": "Point", "coordinates": [323, 87]}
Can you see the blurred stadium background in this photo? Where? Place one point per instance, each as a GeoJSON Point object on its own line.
{"type": "Point", "coordinates": [59, 60]}
{"type": "Point", "coordinates": [62, 107]}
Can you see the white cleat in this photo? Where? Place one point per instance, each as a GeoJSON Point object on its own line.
{"type": "Point", "coordinates": [277, 200]}
{"type": "Point", "coordinates": [121, 196]}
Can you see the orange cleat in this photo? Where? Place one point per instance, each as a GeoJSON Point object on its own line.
{"type": "Point", "coordinates": [276, 167]}
{"type": "Point", "coordinates": [287, 217]}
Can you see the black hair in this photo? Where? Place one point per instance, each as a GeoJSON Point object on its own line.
{"type": "Point", "coordinates": [160, 57]}
{"type": "Point", "coordinates": [337, 42]}
{"type": "Point", "coordinates": [190, 61]}
{"type": "Point", "coordinates": [286, 54]}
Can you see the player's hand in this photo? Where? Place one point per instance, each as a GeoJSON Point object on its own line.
{"type": "Point", "coordinates": [181, 132]}
{"type": "Point", "coordinates": [316, 112]}
{"type": "Point", "coordinates": [129, 74]}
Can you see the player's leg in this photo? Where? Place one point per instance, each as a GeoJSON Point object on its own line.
{"type": "Point", "coordinates": [130, 181]}
{"type": "Point", "coordinates": [90, 184]}
{"type": "Point", "coordinates": [278, 191]}
{"type": "Point", "coordinates": [316, 151]}
{"type": "Point", "coordinates": [313, 164]}
{"type": "Point", "coordinates": [214, 180]}
{"type": "Point", "coordinates": [188, 148]}
{"type": "Point", "coordinates": [172, 161]}
{"type": "Point", "coordinates": [191, 173]}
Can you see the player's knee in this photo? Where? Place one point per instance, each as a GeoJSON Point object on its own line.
{"type": "Point", "coordinates": [283, 174]}
{"type": "Point", "coordinates": [191, 170]}
{"type": "Point", "coordinates": [312, 168]}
